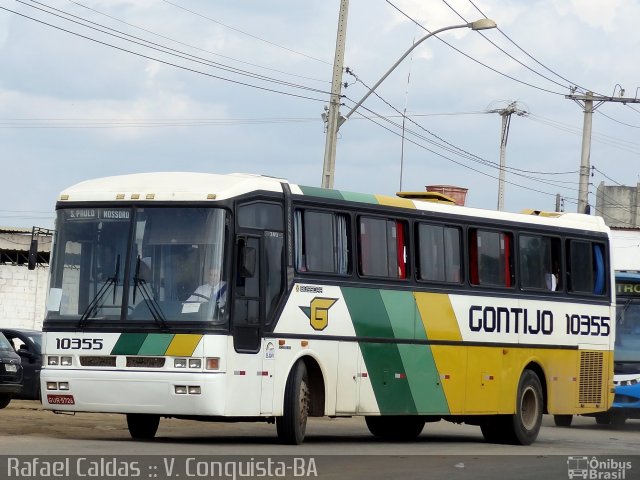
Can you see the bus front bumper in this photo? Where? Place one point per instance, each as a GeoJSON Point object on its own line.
{"type": "Point", "coordinates": [134, 392]}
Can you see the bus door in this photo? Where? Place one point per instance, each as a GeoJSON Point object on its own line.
{"type": "Point", "coordinates": [258, 288]}
{"type": "Point", "coordinates": [247, 311]}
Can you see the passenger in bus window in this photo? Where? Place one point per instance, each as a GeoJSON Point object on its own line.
{"type": "Point", "coordinates": [214, 289]}
{"type": "Point", "coordinates": [551, 278]}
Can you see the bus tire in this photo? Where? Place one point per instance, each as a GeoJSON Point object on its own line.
{"type": "Point", "coordinates": [603, 418]}
{"type": "Point", "coordinates": [618, 418]}
{"type": "Point", "coordinates": [5, 399]}
{"type": "Point", "coordinates": [523, 426]}
{"type": "Point", "coordinates": [562, 420]}
{"type": "Point", "coordinates": [142, 426]}
{"type": "Point", "coordinates": [395, 428]}
{"type": "Point", "coordinates": [292, 425]}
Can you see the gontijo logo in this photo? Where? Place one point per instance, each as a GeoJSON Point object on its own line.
{"type": "Point", "coordinates": [318, 312]}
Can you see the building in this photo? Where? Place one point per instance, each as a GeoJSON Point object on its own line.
{"type": "Point", "coordinates": [23, 291]}
{"type": "Point", "coordinates": [618, 206]}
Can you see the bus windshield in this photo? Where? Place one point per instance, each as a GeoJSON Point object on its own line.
{"type": "Point", "coordinates": [158, 265]}
{"type": "Point", "coordinates": [627, 347]}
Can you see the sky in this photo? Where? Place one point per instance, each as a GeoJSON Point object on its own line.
{"type": "Point", "coordinates": [92, 88]}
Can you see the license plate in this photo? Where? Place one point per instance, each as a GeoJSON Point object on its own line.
{"type": "Point", "coordinates": [11, 368]}
{"type": "Point", "coordinates": [60, 400]}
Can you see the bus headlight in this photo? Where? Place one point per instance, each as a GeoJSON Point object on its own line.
{"type": "Point", "coordinates": [53, 360]}
{"type": "Point", "coordinates": [66, 361]}
{"type": "Point", "coordinates": [195, 363]}
{"type": "Point", "coordinates": [180, 363]}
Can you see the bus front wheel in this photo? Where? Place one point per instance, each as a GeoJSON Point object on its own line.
{"type": "Point", "coordinates": [5, 399]}
{"type": "Point", "coordinates": [142, 426]}
{"type": "Point", "coordinates": [395, 428]}
{"type": "Point", "coordinates": [292, 425]}
{"type": "Point", "coordinates": [562, 420]}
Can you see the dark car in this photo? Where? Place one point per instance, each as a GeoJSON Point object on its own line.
{"type": "Point", "coordinates": [28, 345]}
{"type": "Point", "coordinates": [10, 372]}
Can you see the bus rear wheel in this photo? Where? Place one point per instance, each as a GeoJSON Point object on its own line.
{"type": "Point", "coordinates": [521, 428]}
{"type": "Point", "coordinates": [292, 425]}
{"type": "Point", "coordinates": [142, 426]}
{"type": "Point", "coordinates": [395, 428]}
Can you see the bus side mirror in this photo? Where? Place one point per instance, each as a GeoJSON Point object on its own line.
{"type": "Point", "coordinates": [33, 254]}
{"type": "Point", "coordinates": [248, 264]}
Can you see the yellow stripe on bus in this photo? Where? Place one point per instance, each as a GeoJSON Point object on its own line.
{"type": "Point", "coordinates": [394, 201]}
{"type": "Point", "coordinates": [438, 317]}
{"type": "Point", "coordinates": [183, 345]}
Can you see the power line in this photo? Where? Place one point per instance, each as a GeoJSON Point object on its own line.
{"type": "Point", "coordinates": [193, 46]}
{"type": "Point", "coordinates": [617, 121]}
{"type": "Point", "coordinates": [472, 58]}
{"type": "Point", "coordinates": [462, 152]}
{"type": "Point", "coordinates": [501, 49]}
{"type": "Point", "coordinates": [422, 137]}
{"type": "Point", "coordinates": [161, 48]}
{"type": "Point", "coordinates": [144, 123]}
{"type": "Point", "coordinates": [246, 33]}
{"type": "Point", "coordinates": [258, 87]}
{"type": "Point", "coordinates": [529, 55]}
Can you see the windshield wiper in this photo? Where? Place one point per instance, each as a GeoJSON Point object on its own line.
{"type": "Point", "coordinates": [147, 296]}
{"type": "Point", "coordinates": [96, 302]}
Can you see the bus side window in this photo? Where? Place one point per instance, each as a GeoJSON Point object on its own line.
{"type": "Point", "coordinates": [321, 242]}
{"type": "Point", "coordinates": [539, 258]}
{"type": "Point", "coordinates": [382, 247]}
{"type": "Point", "coordinates": [491, 258]}
{"type": "Point", "coordinates": [439, 252]}
{"type": "Point", "coordinates": [586, 267]}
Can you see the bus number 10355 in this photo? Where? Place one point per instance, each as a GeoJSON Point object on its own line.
{"type": "Point", "coordinates": [588, 325]}
{"type": "Point", "coordinates": [79, 344]}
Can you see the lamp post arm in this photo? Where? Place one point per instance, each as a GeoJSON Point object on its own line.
{"type": "Point", "coordinates": [393, 67]}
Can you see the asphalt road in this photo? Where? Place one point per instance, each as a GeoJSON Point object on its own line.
{"type": "Point", "coordinates": [338, 448]}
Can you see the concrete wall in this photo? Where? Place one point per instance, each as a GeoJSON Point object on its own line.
{"type": "Point", "coordinates": [22, 296]}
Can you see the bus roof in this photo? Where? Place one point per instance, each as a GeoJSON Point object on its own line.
{"type": "Point", "coordinates": [189, 186]}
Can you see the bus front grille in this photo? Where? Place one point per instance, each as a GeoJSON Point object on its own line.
{"type": "Point", "coordinates": [145, 362]}
{"type": "Point", "coordinates": [97, 361]}
{"type": "Point", "coordinates": [590, 391]}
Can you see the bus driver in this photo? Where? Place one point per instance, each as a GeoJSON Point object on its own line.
{"type": "Point", "coordinates": [213, 289]}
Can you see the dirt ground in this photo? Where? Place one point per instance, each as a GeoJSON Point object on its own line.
{"type": "Point", "coordinates": [27, 417]}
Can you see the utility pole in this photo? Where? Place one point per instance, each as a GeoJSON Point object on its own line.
{"type": "Point", "coordinates": [333, 113]}
{"type": "Point", "coordinates": [505, 113]}
{"type": "Point", "coordinates": [586, 101]}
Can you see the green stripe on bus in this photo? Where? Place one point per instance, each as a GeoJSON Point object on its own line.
{"type": "Point", "coordinates": [321, 192]}
{"type": "Point", "coordinates": [383, 360]}
{"type": "Point", "coordinates": [360, 197]}
{"type": "Point", "coordinates": [156, 344]}
{"type": "Point", "coordinates": [129, 343]}
{"type": "Point", "coordinates": [420, 368]}
{"type": "Point", "coordinates": [339, 194]}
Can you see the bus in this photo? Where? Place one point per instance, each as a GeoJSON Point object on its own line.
{"type": "Point", "coordinates": [323, 302]}
{"type": "Point", "coordinates": [626, 403]}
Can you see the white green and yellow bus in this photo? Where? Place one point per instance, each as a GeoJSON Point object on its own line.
{"type": "Point", "coordinates": [322, 303]}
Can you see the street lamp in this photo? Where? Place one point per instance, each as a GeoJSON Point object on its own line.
{"type": "Point", "coordinates": [328, 169]}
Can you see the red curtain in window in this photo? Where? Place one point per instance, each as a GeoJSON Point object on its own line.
{"type": "Point", "coordinates": [400, 249]}
{"type": "Point", "coordinates": [473, 257]}
{"type": "Point", "coordinates": [507, 259]}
